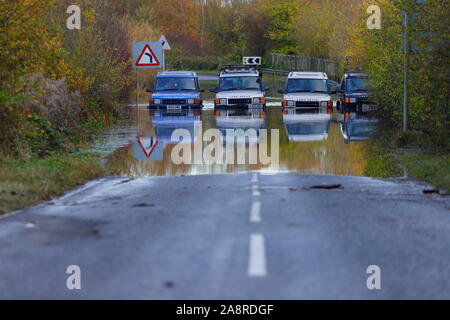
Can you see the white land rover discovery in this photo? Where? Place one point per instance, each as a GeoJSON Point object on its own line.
{"type": "Point", "coordinates": [309, 91]}
{"type": "Point", "coordinates": [240, 86]}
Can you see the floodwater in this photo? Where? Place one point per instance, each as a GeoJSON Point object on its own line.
{"type": "Point", "coordinates": [308, 143]}
{"type": "Point", "coordinates": [317, 143]}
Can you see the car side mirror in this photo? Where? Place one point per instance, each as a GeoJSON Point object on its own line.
{"type": "Point", "coordinates": [149, 90]}
{"type": "Point", "coordinates": [281, 91]}
{"type": "Point", "coordinates": [214, 90]}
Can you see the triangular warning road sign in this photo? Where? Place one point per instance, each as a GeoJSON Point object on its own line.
{"type": "Point", "coordinates": [147, 144]}
{"type": "Point", "coordinates": [164, 43]}
{"type": "Point", "coordinates": [147, 58]}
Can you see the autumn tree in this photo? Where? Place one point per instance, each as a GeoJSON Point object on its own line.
{"type": "Point", "coordinates": [179, 21]}
{"type": "Point", "coordinates": [379, 52]}
{"type": "Point", "coordinates": [282, 15]}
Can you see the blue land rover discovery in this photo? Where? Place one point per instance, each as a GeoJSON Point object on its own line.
{"type": "Point", "coordinates": [176, 90]}
{"type": "Point", "coordinates": [355, 94]}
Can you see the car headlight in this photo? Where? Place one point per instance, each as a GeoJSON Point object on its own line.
{"type": "Point", "coordinates": [352, 100]}
{"type": "Point", "coordinates": [259, 100]}
{"type": "Point", "coordinates": [157, 101]}
{"type": "Point", "coordinates": [324, 104]}
{"type": "Point", "coordinates": [291, 103]}
{"type": "Point", "coordinates": [190, 101]}
{"type": "Point", "coordinates": [223, 101]}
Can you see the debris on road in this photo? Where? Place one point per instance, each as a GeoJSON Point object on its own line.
{"type": "Point", "coordinates": [323, 187]}
{"type": "Point", "coordinates": [327, 186]}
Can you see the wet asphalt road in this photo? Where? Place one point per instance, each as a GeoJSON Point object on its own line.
{"type": "Point", "coordinates": [235, 236]}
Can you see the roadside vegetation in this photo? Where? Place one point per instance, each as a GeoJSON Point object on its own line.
{"type": "Point", "coordinates": [29, 182]}
{"type": "Point", "coordinates": [60, 88]}
{"type": "Point", "coordinates": [424, 149]}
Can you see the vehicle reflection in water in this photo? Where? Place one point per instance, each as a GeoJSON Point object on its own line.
{"type": "Point", "coordinates": [166, 122]}
{"type": "Point", "coordinates": [308, 143]}
{"type": "Point", "coordinates": [243, 119]}
{"type": "Point", "coordinates": [358, 126]}
{"type": "Point", "coordinates": [302, 126]}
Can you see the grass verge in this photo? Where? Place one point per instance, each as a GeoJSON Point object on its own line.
{"type": "Point", "coordinates": [24, 183]}
{"type": "Point", "coordinates": [386, 161]}
{"type": "Point", "coordinates": [431, 168]}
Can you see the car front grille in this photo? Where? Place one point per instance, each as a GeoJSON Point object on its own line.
{"type": "Point", "coordinates": [364, 100]}
{"type": "Point", "coordinates": [307, 104]}
{"type": "Point", "coordinates": [174, 101]}
{"type": "Point", "coordinates": [239, 101]}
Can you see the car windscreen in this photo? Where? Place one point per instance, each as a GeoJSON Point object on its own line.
{"type": "Point", "coordinates": [362, 129]}
{"type": "Point", "coordinates": [239, 83]}
{"type": "Point", "coordinates": [357, 84]}
{"type": "Point", "coordinates": [306, 85]}
{"type": "Point", "coordinates": [175, 84]}
{"type": "Point", "coordinates": [165, 132]}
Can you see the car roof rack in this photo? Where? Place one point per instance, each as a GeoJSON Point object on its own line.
{"type": "Point", "coordinates": [234, 68]}
{"type": "Point", "coordinates": [348, 72]}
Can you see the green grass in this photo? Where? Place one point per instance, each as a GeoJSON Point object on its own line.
{"type": "Point", "coordinates": [386, 161]}
{"type": "Point", "coordinates": [28, 182]}
{"type": "Point", "coordinates": [431, 168]}
{"type": "Point", "coordinates": [382, 161]}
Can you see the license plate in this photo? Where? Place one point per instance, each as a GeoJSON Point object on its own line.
{"type": "Point", "coordinates": [368, 107]}
{"type": "Point", "coordinates": [174, 107]}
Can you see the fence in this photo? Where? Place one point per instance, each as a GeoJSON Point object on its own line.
{"type": "Point", "coordinates": [283, 62]}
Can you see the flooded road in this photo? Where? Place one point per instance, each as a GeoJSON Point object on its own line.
{"type": "Point", "coordinates": [308, 143]}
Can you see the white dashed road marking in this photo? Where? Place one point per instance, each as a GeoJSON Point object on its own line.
{"type": "Point", "coordinates": [255, 213]}
{"type": "Point", "coordinates": [257, 259]}
{"type": "Point", "coordinates": [255, 190]}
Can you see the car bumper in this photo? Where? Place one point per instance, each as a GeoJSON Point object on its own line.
{"type": "Point", "coordinates": [183, 106]}
{"type": "Point", "coordinates": [253, 105]}
{"type": "Point", "coordinates": [360, 107]}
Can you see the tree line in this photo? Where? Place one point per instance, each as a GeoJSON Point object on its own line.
{"type": "Point", "coordinates": [58, 86]}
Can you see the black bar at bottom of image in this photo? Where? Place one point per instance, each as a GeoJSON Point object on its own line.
{"type": "Point", "coordinates": [225, 309]}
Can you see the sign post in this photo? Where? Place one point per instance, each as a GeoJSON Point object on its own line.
{"type": "Point", "coordinates": [405, 69]}
{"type": "Point", "coordinates": [146, 55]}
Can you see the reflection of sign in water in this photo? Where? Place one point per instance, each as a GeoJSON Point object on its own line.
{"type": "Point", "coordinates": [147, 148]}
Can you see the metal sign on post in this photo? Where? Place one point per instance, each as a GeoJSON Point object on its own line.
{"type": "Point", "coordinates": [252, 61]}
{"type": "Point", "coordinates": [164, 43]}
{"type": "Point", "coordinates": [164, 46]}
{"type": "Point", "coordinates": [146, 55]}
